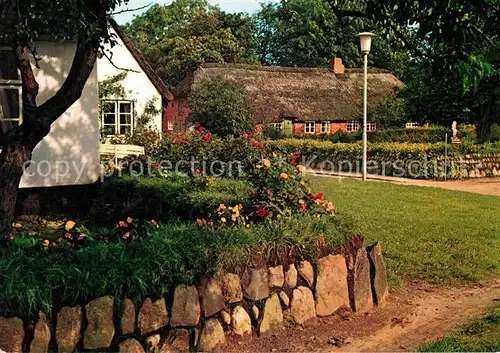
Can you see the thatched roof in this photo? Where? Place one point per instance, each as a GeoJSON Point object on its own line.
{"type": "Point", "coordinates": [301, 93]}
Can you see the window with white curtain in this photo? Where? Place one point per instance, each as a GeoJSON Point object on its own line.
{"type": "Point", "coordinates": [325, 127]}
{"type": "Point", "coordinates": [117, 117]}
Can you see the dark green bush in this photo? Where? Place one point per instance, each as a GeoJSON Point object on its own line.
{"type": "Point", "coordinates": [221, 106]}
{"type": "Point", "coordinates": [35, 280]}
{"type": "Point", "coordinates": [164, 198]}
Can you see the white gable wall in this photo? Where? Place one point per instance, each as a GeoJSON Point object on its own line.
{"type": "Point", "coordinates": [137, 85]}
{"type": "Point", "coordinates": [69, 154]}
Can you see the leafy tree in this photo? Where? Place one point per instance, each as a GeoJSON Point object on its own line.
{"type": "Point", "coordinates": [459, 42]}
{"type": "Point", "coordinates": [221, 106]}
{"type": "Point", "coordinates": [306, 33]}
{"type": "Point", "coordinates": [186, 33]}
{"type": "Point", "coordinates": [21, 25]}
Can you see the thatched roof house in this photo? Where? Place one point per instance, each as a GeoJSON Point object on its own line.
{"type": "Point", "coordinates": [305, 94]}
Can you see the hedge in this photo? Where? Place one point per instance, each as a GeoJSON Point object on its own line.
{"type": "Point", "coordinates": [411, 160]}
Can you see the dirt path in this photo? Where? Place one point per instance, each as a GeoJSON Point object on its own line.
{"type": "Point", "coordinates": [485, 186]}
{"type": "Point", "coordinates": [414, 315]}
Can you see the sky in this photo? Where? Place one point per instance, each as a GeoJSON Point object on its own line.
{"type": "Point", "coordinates": [226, 5]}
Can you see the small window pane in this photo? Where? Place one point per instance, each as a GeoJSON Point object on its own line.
{"type": "Point", "coordinates": [9, 104]}
{"type": "Point", "coordinates": [109, 119]}
{"type": "Point", "coordinates": [109, 129]}
{"type": "Point", "coordinates": [125, 119]}
{"type": "Point", "coordinates": [125, 107]}
{"type": "Point", "coordinates": [8, 68]}
{"type": "Point", "coordinates": [108, 107]}
{"type": "Point", "coordinates": [125, 129]}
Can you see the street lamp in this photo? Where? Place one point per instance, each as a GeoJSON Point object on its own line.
{"type": "Point", "coordinates": [366, 43]}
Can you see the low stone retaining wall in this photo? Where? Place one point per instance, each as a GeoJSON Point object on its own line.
{"type": "Point", "coordinates": [199, 317]}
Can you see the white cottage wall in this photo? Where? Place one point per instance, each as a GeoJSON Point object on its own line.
{"type": "Point", "coordinates": [69, 154]}
{"type": "Point", "coordinates": [137, 85]}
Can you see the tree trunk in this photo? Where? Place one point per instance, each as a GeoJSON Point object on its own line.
{"type": "Point", "coordinates": [12, 160]}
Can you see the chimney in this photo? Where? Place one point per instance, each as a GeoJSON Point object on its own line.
{"type": "Point", "coordinates": [336, 66]}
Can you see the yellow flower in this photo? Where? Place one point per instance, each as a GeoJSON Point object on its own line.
{"type": "Point", "coordinates": [223, 220]}
{"type": "Point", "coordinates": [302, 202]}
{"type": "Point", "coordinates": [301, 169]}
{"type": "Point", "coordinates": [267, 163]}
{"type": "Point", "coordinates": [284, 176]}
{"type": "Point", "coordinates": [234, 217]}
{"type": "Point", "coordinates": [17, 225]}
{"type": "Point", "coordinates": [129, 220]}
{"type": "Point", "coordinates": [275, 155]}
{"type": "Point", "coordinates": [45, 243]}
{"type": "Point", "coordinates": [69, 225]}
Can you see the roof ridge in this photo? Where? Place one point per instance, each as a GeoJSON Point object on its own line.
{"type": "Point", "coordinates": [259, 67]}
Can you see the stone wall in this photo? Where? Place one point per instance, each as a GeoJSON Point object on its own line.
{"type": "Point", "coordinates": [200, 317]}
{"type": "Point", "coordinates": [480, 165]}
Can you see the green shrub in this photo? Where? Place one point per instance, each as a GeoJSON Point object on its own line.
{"type": "Point", "coordinates": [163, 198]}
{"type": "Point", "coordinates": [221, 106]}
{"type": "Point", "coordinates": [35, 279]}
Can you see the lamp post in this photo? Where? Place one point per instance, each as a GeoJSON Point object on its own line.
{"type": "Point", "coordinates": [366, 43]}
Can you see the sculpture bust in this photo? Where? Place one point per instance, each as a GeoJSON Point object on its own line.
{"type": "Point", "coordinates": [454, 129]}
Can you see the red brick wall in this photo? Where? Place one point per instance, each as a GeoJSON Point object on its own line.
{"type": "Point", "coordinates": [298, 128]}
{"type": "Point", "coordinates": [342, 126]}
{"type": "Point", "coordinates": [171, 113]}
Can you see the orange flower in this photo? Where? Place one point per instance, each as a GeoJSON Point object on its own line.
{"type": "Point", "coordinates": [267, 163]}
{"type": "Point", "coordinates": [284, 176]}
{"type": "Point", "coordinates": [129, 220]}
{"type": "Point", "coordinates": [45, 243]}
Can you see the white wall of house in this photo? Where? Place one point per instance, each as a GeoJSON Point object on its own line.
{"type": "Point", "coordinates": [69, 154]}
{"type": "Point", "coordinates": [137, 85]}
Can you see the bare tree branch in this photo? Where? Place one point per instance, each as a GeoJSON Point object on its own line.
{"type": "Point", "coordinates": [131, 10]}
{"type": "Point", "coordinates": [110, 59]}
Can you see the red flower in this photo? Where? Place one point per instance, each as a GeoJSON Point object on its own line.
{"type": "Point", "coordinates": [268, 193]}
{"type": "Point", "coordinates": [11, 237]}
{"type": "Point", "coordinates": [262, 212]}
{"type": "Point", "coordinates": [156, 166]}
{"type": "Point", "coordinates": [176, 142]}
{"type": "Point", "coordinates": [293, 161]}
{"type": "Point", "coordinates": [291, 197]}
{"type": "Point", "coordinates": [207, 138]}
{"type": "Point", "coordinates": [319, 196]}
{"type": "Point", "coordinates": [201, 129]}
{"type": "Point", "coordinates": [126, 236]}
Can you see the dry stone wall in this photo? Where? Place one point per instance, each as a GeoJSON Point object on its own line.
{"type": "Point", "coordinates": [200, 317]}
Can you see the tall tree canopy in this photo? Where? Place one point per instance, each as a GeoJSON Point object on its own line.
{"type": "Point", "coordinates": [21, 25]}
{"type": "Point", "coordinates": [307, 33]}
{"type": "Point", "coordinates": [179, 36]}
{"type": "Point", "coordinates": [455, 44]}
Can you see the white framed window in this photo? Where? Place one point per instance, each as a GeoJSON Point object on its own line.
{"type": "Point", "coordinates": [370, 127]}
{"type": "Point", "coordinates": [352, 126]}
{"type": "Point", "coordinates": [309, 127]}
{"type": "Point", "coordinates": [117, 117]}
{"type": "Point", "coordinates": [277, 126]}
{"type": "Point", "coordinates": [170, 125]}
{"type": "Point", "coordinates": [325, 127]}
{"type": "Point", "coordinates": [411, 125]}
{"type": "Point", "coordinates": [11, 110]}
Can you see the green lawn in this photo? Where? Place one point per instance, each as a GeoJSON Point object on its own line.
{"type": "Point", "coordinates": [441, 236]}
{"type": "Point", "coordinates": [480, 336]}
